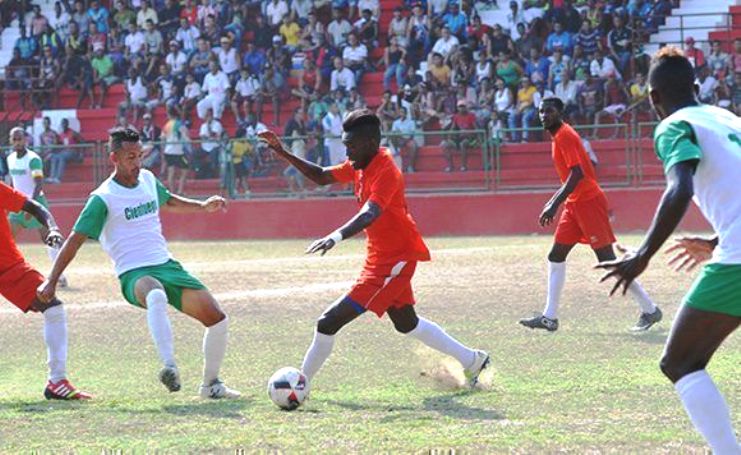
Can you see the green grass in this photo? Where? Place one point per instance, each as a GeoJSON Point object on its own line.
{"type": "Point", "coordinates": [590, 387]}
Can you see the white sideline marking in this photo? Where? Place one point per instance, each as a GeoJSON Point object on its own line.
{"type": "Point", "coordinates": [221, 296]}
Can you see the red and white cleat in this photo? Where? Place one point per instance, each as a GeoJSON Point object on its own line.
{"type": "Point", "coordinates": [63, 390]}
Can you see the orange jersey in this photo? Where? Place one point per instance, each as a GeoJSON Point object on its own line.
{"type": "Point", "coordinates": [568, 151]}
{"type": "Point", "coordinates": [10, 201]}
{"type": "Point", "coordinates": [393, 236]}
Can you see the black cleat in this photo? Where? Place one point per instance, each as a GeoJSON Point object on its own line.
{"type": "Point", "coordinates": [540, 322]}
{"type": "Point", "coordinates": [646, 320]}
{"type": "Point", "coordinates": [170, 377]}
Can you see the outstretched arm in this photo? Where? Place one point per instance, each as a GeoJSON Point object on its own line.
{"type": "Point", "coordinates": [315, 173]}
{"type": "Point", "coordinates": [54, 237]}
{"type": "Point", "coordinates": [181, 204]}
{"type": "Point", "coordinates": [364, 218]}
{"type": "Point", "coordinates": [673, 205]}
{"type": "Point", "coordinates": [551, 207]}
{"type": "Point", "coordinates": [68, 252]}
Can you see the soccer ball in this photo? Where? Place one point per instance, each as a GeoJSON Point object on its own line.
{"type": "Point", "coordinates": [288, 388]}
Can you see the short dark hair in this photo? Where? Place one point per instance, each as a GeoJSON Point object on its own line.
{"type": "Point", "coordinates": [363, 122]}
{"type": "Point", "coordinates": [672, 74]}
{"type": "Point", "coordinates": [120, 135]}
{"type": "Point", "coordinates": [555, 101]}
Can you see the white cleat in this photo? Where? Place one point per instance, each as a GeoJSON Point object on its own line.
{"type": "Point", "coordinates": [480, 362]}
{"type": "Point", "coordinates": [217, 390]}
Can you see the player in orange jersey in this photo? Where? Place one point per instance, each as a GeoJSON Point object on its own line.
{"type": "Point", "coordinates": [18, 283]}
{"type": "Point", "coordinates": [584, 219]}
{"type": "Point", "coordinates": [394, 246]}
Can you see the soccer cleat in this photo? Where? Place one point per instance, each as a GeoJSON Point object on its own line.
{"type": "Point", "coordinates": [63, 390]}
{"type": "Point", "coordinates": [170, 377]}
{"type": "Point", "coordinates": [217, 390]}
{"type": "Point", "coordinates": [480, 362]}
{"type": "Point", "coordinates": [646, 320]}
{"type": "Point", "coordinates": [540, 322]}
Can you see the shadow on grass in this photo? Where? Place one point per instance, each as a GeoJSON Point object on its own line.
{"type": "Point", "coordinates": [657, 336]}
{"type": "Point", "coordinates": [41, 406]}
{"type": "Point", "coordinates": [222, 409]}
{"type": "Point", "coordinates": [369, 406]}
{"type": "Point", "coordinates": [449, 406]}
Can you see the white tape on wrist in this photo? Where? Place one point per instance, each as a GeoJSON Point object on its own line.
{"type": "Point", "coordinates": [336, 236]}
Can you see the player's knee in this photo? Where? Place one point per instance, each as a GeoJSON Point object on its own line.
{"type": "Point", "coordinates": [676, 369]}
{"type": "Point", "coordinates": [328, 324]}
{"type": "Point", "coordinates": [556, 256]}
{"type": "Point", "coordinates": [406, 325]}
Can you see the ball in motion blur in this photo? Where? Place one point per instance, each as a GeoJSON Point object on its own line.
{"type": "Point", "coordinates": [288, 388]}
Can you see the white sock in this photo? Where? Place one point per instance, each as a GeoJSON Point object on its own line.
{"type": "Point", "coordinates": [556, 280]}
{"type": "Point", "coordinates": [708, 412]}
{"type": "Point", "coordinates": [641, 297]}
{"type": "Point", "coordinates": [214, 348]}
{"type": "Point", "coordinates": [53, 253]}
{"type": "Point", "coordinates": [435, 337]}
{"type": "Point", "coordinates": [55, 336]}
{"type": "Point", "coordinates": [159, 325]}
{"type": "Point", "coordinates": [317, 354]}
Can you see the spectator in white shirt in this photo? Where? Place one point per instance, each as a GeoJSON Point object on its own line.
{"type": "Point", "coordinates": [145, 14]}
{"type": "Point", "coordinates": [567, 91]}
{"type": "Point", "coordinates": [338, 29]}
{"type": "Point", "coordinates": [275, 11]}
{"type": "Point", "coordinates": [446, 44]}
{"type": "Point", "coordinates": [332, 127]}
{"type": "Point", "coordinates": [191, 93]}
{"type": "Point", "coordinates": [342, 78]}
{"type": "Point", "coordinates": [602, 67]}
{"type": "Point", "coordinates": [404, 143]}
{"type": "Point", "coordinates": [246, 92]}
{"type": "Point", "coordinates": [134, 41]}
{"type": "Point", "coordinates": [229, 60]}
{"type": "Point", "coordinates": [215, 85]}
{"type": "Point", "coordinates": [178, 62]}
{"type": "Point", "coordinates": [356, 7]}
{"type": "Point", "coordinates": [211, 134]}
{"type": "Point", "coordinates": [188, 36]}
{"type": "Point", "coordinates": [355, 56]}
{"type": "Point", "coordinates": [136, 95]}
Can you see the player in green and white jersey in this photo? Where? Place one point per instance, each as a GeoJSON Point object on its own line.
{"type": "Point", "coordinates": [123, 213]}
{"type": "Point", "coordinates": [700, 147]}
{"type": "Point", "coordinates": [26, 171]}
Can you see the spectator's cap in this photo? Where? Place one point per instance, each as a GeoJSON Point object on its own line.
{"type": "Point", "coordinates": [461, 103]}
{"type": "Point", "coordinates": [277, 39]}
{"type": "Point", "coordinates": [225, 40]}
{"type": "Point", "coordinates": [367, 11]}
{"type": "Point", "coordinates": [513, 3]}
{"type": "Point", "coordinates": [147, 116]}
{"type": "Point", "coordinates": [174, 43]}
{"type": "Point", "coordinates": [407, 88]}
{"type": "Point", "coordinates": [689, 40]}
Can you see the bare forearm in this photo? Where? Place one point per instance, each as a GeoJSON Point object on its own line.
{"type": "Point", "coordinates": [313, 172]}
{"type": "Point", "coordinates": [567, 188]}
{"type": "Point", "coordinates": [37, 190]}
{"type": "Point", "coordinates": [66, 255]}
{"type": "Point", "coordinates": [671, 210]}
{"type": "Point", "coordinates": [181, 204]}
{"type": "Point", "coordinates": [40, 212]}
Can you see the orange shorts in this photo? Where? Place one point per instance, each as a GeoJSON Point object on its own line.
{"type": "Point", "coordinates": [585, 222]}
{"type": "Point", "coordinates": [381, 287]}
{"type": "Point", "coordinates": [18, 284]}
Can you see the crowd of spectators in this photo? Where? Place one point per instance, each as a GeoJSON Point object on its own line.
{"type": "Point", "coordinates": [443, 68]}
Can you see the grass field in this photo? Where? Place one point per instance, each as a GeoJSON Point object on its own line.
{"type": "Point", "coordinates": [590, 387]}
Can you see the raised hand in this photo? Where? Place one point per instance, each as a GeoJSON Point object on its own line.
{"type": "Point", "coordinates": [324, 244]}
{"type": "Point", "coordinates": [689, 252]}
{"type": "Point", "coordinates": [214, 203]}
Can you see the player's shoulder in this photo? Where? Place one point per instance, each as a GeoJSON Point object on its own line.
{"type": "Point", "coordinates": [701, 116]}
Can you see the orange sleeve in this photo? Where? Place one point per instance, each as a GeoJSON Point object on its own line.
{"type": "Point", "coordinates": [10, 199]}
{"type": "Point", "coordinates": [385, 186]}
{"type": "Point", "coordinates": [343, 173]}
{"type": "Point", "coordinates": [570, 149]}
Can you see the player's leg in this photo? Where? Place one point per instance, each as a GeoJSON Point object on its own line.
{"type": "Point", "coordinates": [695, 336]}
{"type": "Point", "coordinates": [343, 311]}
{"type": "Point", "coordinates": [150, 294]}
{"type": "Point", "coordinates": [650, 313]}
{"type": "Point", "coordinates": [548, 320]}
{"type": "Point", "coordinates": [406, 321]}
{"type": "Point", "coordinates": [200, 304]}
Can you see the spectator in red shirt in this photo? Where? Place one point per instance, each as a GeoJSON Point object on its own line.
{"type": "Point", "coordinates": [695, 55]}
{"type": "Point", "coordinates": [189, 12]}
{"type": "Point", "coordinates": [463, 120]}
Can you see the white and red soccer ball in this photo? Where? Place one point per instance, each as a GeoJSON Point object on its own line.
{"type": "Point", "coordinates": [288, 388]}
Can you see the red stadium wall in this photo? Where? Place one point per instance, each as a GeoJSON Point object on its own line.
{"type": "Point", "coordinates": [459, 214]}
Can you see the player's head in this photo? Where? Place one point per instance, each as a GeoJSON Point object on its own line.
{"type": "Point", "coordinates": [551, 112]}
{"type": "Point", "coordinates": [126, 153]}
{"type": "Point", "coordinates": [17, 138]}
{"type": "Point", "coordinates": [671, 81]}
{"type": "Point", "coordinates": [361, 136]}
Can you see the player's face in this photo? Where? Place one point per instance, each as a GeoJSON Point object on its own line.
{"type": "Point", "coordinates": [359, 150]}
{"type": "Point", "coordinates": [18, 141]}
{"type": "Point", "coordinates": [549, 115]}
{"type": "Point", "coordinates": [655, 99]}
{"type": "Point", "coordinates": [128, 160]}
